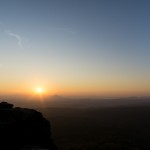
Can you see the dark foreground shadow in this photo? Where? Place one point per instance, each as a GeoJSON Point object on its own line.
{"type": "Point", "coordinates": [24, 129]}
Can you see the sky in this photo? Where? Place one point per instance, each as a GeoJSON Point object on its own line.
{"type": "Point", "coordinates": [75, 47]}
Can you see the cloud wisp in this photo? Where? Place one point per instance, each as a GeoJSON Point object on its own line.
{"type": "Point", "coordinates": [18, 38]}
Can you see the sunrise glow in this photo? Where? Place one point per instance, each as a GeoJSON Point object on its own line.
{"type": "Point", "coordinates": [39, 90]}
{"type": "Point", "coordinates": [101, 52]}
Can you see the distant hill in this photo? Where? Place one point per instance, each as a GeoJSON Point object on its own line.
{"type": "Point", "coordinates": [59, 101]}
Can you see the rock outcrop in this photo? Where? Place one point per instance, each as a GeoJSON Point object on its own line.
{"type": "Point", "coordinates": [24, 129]}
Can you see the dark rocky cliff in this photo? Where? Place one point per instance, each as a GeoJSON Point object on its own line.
{"type": "Point", "coordinates": [24, 129]}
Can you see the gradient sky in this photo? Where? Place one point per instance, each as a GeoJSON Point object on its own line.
{"type": "Point", "coordinates": [75, 47]}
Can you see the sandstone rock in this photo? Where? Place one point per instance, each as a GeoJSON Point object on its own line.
{"type": "Point", "coordinates": [5, 105]}
{"type": "Point", "coordinates": [23, 129]}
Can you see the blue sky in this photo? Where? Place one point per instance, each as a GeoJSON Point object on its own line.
{"type": "Point", "coordinates": [96, 46]}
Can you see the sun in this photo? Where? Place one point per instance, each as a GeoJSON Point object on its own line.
{"type": "Point", "coordinates": [39, 90]}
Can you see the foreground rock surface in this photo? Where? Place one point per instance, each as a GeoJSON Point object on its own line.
{"type": "Point", "coordinates": [24, 129]}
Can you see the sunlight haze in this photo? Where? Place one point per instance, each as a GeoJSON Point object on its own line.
{"type": "Point", "coordinates": [80, 47]}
